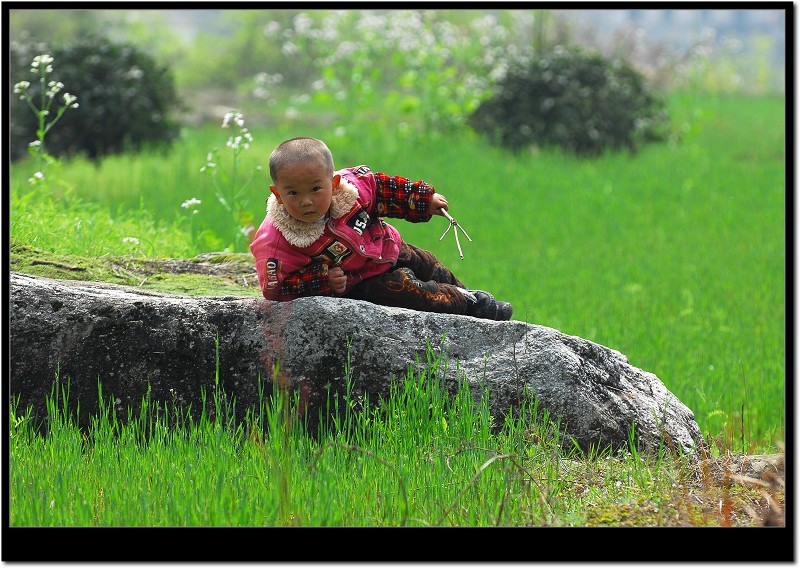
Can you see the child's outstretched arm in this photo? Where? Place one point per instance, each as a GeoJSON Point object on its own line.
{"type": "Point", "coordinates": [402, 198]}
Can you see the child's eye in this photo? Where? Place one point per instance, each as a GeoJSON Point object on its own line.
{"type": "Point", "coordinates": [316, 188]}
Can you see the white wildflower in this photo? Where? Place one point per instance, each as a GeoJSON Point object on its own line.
{"type": "Point", "coordinates": [289, 49]}
{"type": "Point", "coordinates": [190, 202]}
{"type": "Point", "coordinates": [42, 60]}
{"type": "Point", "coordinates": [272, 28]}
{"type": "Point", "coordinates": [131, 240]}
{"type": "Point", "coordinates": [233, 116]}
{"type": "Point", "coordinates": [268, 80]}
{"type": "Point", "coordinates": [134, 73]}
{"type": "Point", "coordinates": [210, 164]}
{"type": "Point", "coordinates": [54, 87]}
{"type": "Point", "coordinates": [301, 99]}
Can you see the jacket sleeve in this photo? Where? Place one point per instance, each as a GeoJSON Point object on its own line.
{"type": "Point", "coordinates": [402, 198]}
{"type": "Point", "coordinates": [310, 280]}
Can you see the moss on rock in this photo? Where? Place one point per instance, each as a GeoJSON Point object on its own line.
{"type": "Point", "coordinates": [208, 274]}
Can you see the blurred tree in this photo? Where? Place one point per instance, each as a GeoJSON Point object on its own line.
{"type": "Point", "coordinates": [574, 99]}
{"type": "Point", "coordinates": [127, 100]}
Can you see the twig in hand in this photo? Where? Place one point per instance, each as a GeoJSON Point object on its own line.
{"type": "Point", "coordinates": [454, 223]}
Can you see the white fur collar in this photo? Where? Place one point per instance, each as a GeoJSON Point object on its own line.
{"type": "Point", "coordinates": [300, 233]}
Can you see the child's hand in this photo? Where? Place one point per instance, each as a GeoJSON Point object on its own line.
{"type": "Point", "coordinates": [337, 279]}
{"type": "Point", "coordinates": [438, 202]}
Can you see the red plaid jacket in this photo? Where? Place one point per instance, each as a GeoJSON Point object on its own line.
{"type": "Point", "coordinates": [293, 257]}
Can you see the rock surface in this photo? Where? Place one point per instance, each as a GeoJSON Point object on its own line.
{"type": "Point", "coordinates": [129, 341]}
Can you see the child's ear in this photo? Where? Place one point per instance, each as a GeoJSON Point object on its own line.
{"type": "Point", "coordinates": [336, 179]}
{"type": "Point", "coordinates": [274, 191]}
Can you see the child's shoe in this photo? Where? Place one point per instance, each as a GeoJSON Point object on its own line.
{"type": "Point", "coordinates": [482, 304]}
{"type": "Point", "coordinates": [504, 311]}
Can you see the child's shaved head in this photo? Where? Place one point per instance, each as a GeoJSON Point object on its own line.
{"type": "Point", "coordinates": [302, 149]}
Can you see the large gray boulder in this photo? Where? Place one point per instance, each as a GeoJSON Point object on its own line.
{"type": "Point", "coordinates": [130, 341]}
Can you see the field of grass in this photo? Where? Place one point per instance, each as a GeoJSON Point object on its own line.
{"type": "Point", "coordinates": [674, 256]}
{"type": "Point", "coordinates": [419, 459]}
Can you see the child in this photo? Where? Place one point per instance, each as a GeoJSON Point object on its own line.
{"type": "Point", "coordinates": [324, 235]}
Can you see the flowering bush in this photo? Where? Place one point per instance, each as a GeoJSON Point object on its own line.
{"type": "Point", "coordinates": [429, 68]}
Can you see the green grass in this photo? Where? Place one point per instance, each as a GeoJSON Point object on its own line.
{"type": "Point", "coordinates": [675, 256]}
{"type": "Point", "coordinates": [418, 459]}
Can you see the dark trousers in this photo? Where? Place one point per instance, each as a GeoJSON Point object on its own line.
{"type": "Point", "coordinates": [418, 281]}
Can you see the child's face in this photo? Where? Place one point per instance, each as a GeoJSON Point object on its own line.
{"type": "Point", "coordinates": [305, 190]}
